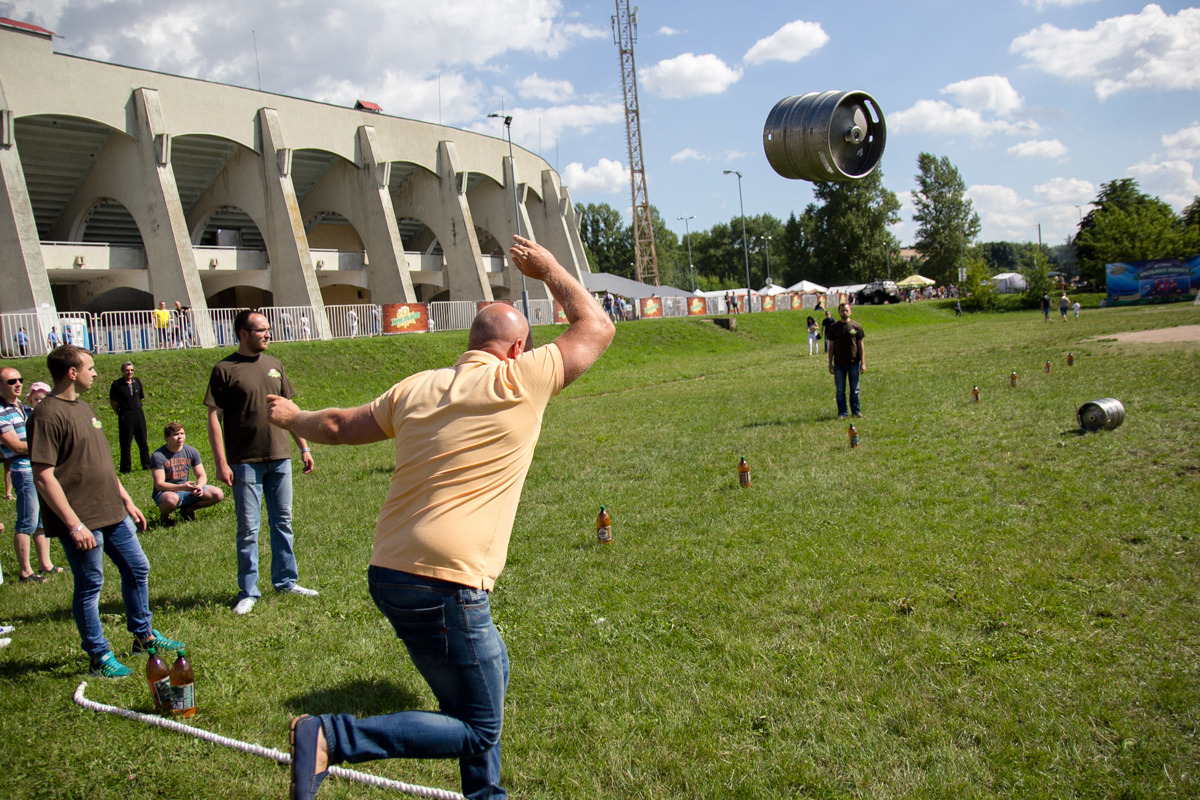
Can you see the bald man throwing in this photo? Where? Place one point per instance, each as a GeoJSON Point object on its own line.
{"type": "Point", "coordinates": [465, 437]}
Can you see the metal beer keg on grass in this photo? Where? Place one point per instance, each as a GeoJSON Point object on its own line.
{"type": "Point", "coordinates": [1100, 415]}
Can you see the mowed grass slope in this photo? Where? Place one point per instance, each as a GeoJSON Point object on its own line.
{"type": "Point", "coordinates": [978, 602]}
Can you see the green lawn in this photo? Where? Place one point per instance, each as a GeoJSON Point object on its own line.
{"type": "Point", "coordinates": [978, 602]}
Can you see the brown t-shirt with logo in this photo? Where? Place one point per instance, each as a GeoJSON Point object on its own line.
{"type": "Point", "coordinates": [239, 386]}
{"type": "Point", "coordinates": [66, 435]}
{"type": "Point", "coordinates": [844, 338]}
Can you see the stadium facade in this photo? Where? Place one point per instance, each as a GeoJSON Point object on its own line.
{"type": "Point", "coordinates": [121, 188]}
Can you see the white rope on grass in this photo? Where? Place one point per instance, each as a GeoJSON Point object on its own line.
{"type": "Point", "coordinates": [259, 750]}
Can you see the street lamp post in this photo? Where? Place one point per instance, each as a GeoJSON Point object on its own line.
{"type": "Point", "coordinates": [688, 236]}
{"type": "Point", "coordinates": [745, 245]}
{"type": "Point", "coordinates": [768, 238]}
{"type": "Point", "coordinates": [512, 166]}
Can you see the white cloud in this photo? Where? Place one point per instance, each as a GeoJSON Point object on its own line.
{"type": "Point", "coordinates": [690, 75]}
{"type": "Point", "coordinates": [688, 154]}
{"type": "Point", "coordinates": [542, 125]}
{"type": "Point", "coordinates": [734, 155]}
{"type": "Point", "coordinates": [1066, 190]}
{"type": "Point", "coordinates": [1150, 49]}
{"type": "Point", "coordinates": [607, 177]}
{"type": "Point", "coordinates": [987, 93]}
{"type": "Point", "coordinates": [1174, 181]}
{"type": "Point", "coordinates": [1184, 143]}
{"type": "Point", "coordinates": [938, 116]}
{"type": "Point", "coordinates": [1039, 148]}
{"type": "Point", "coordinates": [666, 31]}
{"type": "Point", "coordinates": [790, 43]}
{"type": "Point", "coordinates": [540, 88]}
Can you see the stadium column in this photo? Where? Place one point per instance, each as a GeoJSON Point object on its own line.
{"type": "Point", "coordinates": [556, 226]}
{"type": "Point", "coordinates": [440, 201]}
{"type": "Point", "coordinates": [24, 284]}
{"type": "Point", "coordinates": [134, 169]}
{"type": "Point", "coordinates": [493, 207]}
{"type": "Point", "coordinates": [293, 280]}
{"type": "Point", "coordinates": [360, 194]}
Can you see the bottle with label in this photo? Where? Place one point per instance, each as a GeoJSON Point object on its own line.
{"type": "Point", "coordinates": [975, 394]}
{"type": "Point", "coordinates": [743, 474]}
{"type": "Point", "coordinates": [158, 675]}
{"type": "Point", "coordinates": [1070, 359]}
{"type": "Point", "coordinates": [1047, 367]}
{"type": "Point", "coordinates": [1012, 380]}
{"type": "Point", "coordinates": [183, 688]}
{"type": "Point", "coordinates": [853, 435]}
{"type": "Point", "coordinates": [603, 527]}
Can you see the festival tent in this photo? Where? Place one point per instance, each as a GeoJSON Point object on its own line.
{"type": "Point", "coordinates": [914, 282]}
{"type": "Point", "coordinates": [772, 289]}
{"type": "Point", "coordinates": [607, 282]}
{"type": "Point", "coordinates": [1008, 282]}
{"type": "Point", "coordinates": [807, 287]}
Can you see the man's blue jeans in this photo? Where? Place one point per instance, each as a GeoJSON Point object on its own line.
{"type": "Point", "coordinates": [251, 482]}
{"type": "Point", "coordinates": [453, 643]}
{"type": "Point", "coordinates": [29, 512]}
{"type": "Point", "coordinates": [840, 374]}
{"type": "Point", "coordinates": [120, 543]}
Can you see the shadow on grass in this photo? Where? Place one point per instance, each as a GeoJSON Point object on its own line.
{"type": "Point", "coordinates": [360, 698]}
{"type": "Point", "coordinates": [115, 607]}
{"type": "Point", "coordinates": [15, 668]}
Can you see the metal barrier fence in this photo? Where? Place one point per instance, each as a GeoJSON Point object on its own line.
{"type": "Point", "coordinates": [352, 321]}
{"type": "Point", "coordinates": [25, 335]}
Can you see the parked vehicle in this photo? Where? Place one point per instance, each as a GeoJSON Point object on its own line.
{"type": "Point", "coordinates": [879, 292]}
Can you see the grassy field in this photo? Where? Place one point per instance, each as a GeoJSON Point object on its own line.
{"type": "Point", "coordinates": [979, 602]}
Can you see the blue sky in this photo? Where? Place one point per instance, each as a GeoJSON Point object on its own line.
{"type": "Point", "coordinates": [1037, 102]}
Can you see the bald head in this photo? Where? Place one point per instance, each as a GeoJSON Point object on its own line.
{"type": "Point", "coordinates": [497, 328]}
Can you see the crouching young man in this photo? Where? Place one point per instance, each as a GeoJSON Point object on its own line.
{"type": "Point", "coordinates": [170, 467]}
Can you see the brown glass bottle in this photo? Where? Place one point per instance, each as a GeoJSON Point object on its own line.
{"type": "Point", "coordinates": [853, 436]}
{"type": "Point", "coordinates": [158, 675]}
{"type": "Point", "coordinates": [604, 527]}
{"type": "Point", "coordinates": [743, 474]}
{"type": "Point", "coordinates": [183, 687]}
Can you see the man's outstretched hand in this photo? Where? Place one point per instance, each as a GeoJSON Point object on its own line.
{"type": "Point", "coordinates": [531, 258]}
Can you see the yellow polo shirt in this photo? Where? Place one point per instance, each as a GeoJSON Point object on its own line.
{"type": "Point", "coordinates": [465, 437]}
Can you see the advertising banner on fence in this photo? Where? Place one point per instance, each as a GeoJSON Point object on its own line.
{"type": "Point", "coordinates": [1167, 280]}
{"type": "Point", "coordinates": [559, 316]}
{"type": "Point", "coordinates": [405, 318]}
{"type": "Point", "coordinates": [797, 300]}
{"type": "Point", "coordinates": [651, 307]}
{"type": "Point", "coordinates": [696, 306]}
{"type": "Point", "coordinates": [768, 302]}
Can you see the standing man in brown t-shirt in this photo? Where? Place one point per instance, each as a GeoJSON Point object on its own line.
{"type": "Point", "coordinates": [87, 508]}
{"type": "Point", "coordinates": [254, 457]}
{"type": "Point", "coordinates": [847, 359]}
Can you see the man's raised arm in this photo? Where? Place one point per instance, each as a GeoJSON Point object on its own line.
{"type": "Point", "coordinates": [590, 330]}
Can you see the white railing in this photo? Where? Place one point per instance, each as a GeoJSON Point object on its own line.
{"type": "Point", "coordinates": [130, 332]}
{"type": "Point", "coordinates": [451, 315]}
{"type": "Point", "coordinates": [353, 321]}
{"type": "Point", "coordinates": [289, 323]}
{"type": "Point", "coordinates": [21, 335]}
{"type": "Point", "coordinates": [222, 325]}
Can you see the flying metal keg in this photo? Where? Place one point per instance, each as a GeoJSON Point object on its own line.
{"type": "Point", "coordinates": [825, 136]}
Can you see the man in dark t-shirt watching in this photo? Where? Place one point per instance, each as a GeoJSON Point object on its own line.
{"type": "Point", "coordinates": [254, 457]}
{"type": "Point", "coordinates": [847, 359]}
{"type": "Point", "coordinates": [87, 508]}
{"type": "Point", "coordinates": [171, 466]}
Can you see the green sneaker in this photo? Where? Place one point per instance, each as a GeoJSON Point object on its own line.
{"type": "Point", "coordinates": [107, 666]}
{"type": "Point", "coordinates": [159, 643]}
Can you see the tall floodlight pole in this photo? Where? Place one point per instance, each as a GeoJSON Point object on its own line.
{"type": "Point", "coordinates": [645, 256]}
{"type": "Point", "coordinates": [687, 235]}
{"type": "Point", "coordinates": [745, 245]}
{"type": "Point", "coordinates": [768, 238]}
{"type": "Point", "coordinates": [512, 170]}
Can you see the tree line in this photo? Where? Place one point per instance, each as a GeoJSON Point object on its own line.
{"type": "Point", "coordinates": [843, 238]}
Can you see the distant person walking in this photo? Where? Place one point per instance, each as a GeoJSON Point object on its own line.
{"type": "Point", "coordinates": [1064, 304]}
{"type": "Point", "coordinates": [847, 360]}
{"type": "Point", "coordinates": [254, 457]}
{"type": "Point", "coordinates": [352, 319]}
{"type": "Point", "coordinates": [811, 325]}
{"type": "Point", "coordinates": [126, 397]}
{"type": "Point", "coordinates": [958, 308]}
{"type": "Point", "coordinates": [1076, 307]}
{"type": "Point", "coordinates": [826, 324]}
{"type": "Point", "coordinates": [22, 341]}
{"type": "Point", "coordinates": [87, 508]}
{"type": "Point", "coordinates": [1045, 308]}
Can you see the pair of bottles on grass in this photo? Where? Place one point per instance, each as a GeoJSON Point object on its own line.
{"type": "Point", "coordinates": [173, 690]}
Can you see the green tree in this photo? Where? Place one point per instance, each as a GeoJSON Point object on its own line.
{"type": "Point", "coordinates": [946, 220]}
{"type": "Point", "coordinates": [848, 236]}
{"type": "Point", "coordinates": [607, 240]}
{"type": "Point", "coordinates": [1036, 269]}
{"type": "Point", "coordinates": [981, 292]}
{"type": "Point", "coordinates": [1126, 224]}
{"type": "Point", "coordinates": [1001, 256]}
{"type": "Point", "coordinates": [795, 249]}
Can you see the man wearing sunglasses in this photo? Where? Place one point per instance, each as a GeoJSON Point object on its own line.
{"type": "Point", "coordinates": [15, 450]}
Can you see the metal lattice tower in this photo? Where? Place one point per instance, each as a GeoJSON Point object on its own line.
{"type": "Point", "coordinates": [645, 258]}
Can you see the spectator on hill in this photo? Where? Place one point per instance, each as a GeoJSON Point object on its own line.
{"type": "Point", "coordinates": [126, 397]}
{"type": "Point", "coordinates": [14, 449]}
{"type": "Point", "coordinates": [170, 467]}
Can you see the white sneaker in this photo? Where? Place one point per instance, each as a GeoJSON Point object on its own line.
{"type": "Point", "coordinates": [6, 629]}
{"type": "Point", "coordinates": [5, 642]}
{"type": "Point", "coordinates": [244, 605]}
{"type": "Point", "coordinates": [296, 588]}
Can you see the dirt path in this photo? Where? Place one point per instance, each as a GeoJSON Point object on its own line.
{"type": "Point", "coordinates": [1180, 333]}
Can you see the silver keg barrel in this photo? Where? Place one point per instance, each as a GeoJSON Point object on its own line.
{"type": "Point", "coordinates": [825, 136]}
{"type": "Point", "coordinates": [1101, 415]}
